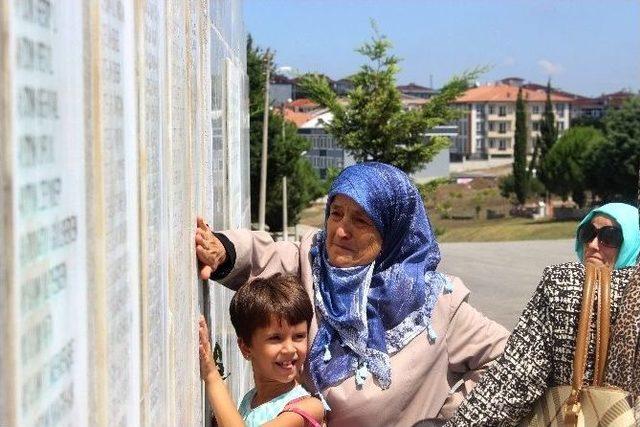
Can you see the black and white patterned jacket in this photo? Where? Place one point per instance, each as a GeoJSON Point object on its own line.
{"type": "Point", "coordinates": [539, 353]}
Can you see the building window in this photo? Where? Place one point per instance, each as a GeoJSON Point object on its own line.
{"type": "Point", "coordinates": [560, 110]}
{"type": "Point", "coordinates": [323, 153]}
{"type": "Point", "coordinates": [480, 127]}
{"type": "Point", "coordinates": [480, 144]}
{"type": "Point", "coordinates": [492, 126]}
{"type": "Point", "coordinates": [560, 126]}
{"type": "Point", "coordinates": [502, 127]}
{"type": "Point", "coordinates": [535, 109]}
{"type": "Point", "coordinates": [479, 108]}
{"type": "Point", "coordinates": [536, 125]}
{"type": "Point", "coordinates": [492, 109]}
{"type": "Point", "coordinates": [492, 143]}
{"type": "Point", "coordinates": [503, 145]}
{"type": "Point", "coordinates": [502, 111]}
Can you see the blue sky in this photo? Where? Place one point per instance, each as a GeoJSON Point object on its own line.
{"type": "Point", "coordinates": [587, 47]}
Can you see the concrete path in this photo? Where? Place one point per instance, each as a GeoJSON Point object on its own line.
{"type": "Point", "coordinates": [503, 275]}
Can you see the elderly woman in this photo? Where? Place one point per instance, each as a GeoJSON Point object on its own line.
{"type": "Point", "coordinates": [540, 351]}
{"type": "Point", "coordinates": [390, 336]}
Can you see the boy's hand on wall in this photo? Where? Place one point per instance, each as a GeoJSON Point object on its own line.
{"type": "Point", "coordinates": [207, 365]}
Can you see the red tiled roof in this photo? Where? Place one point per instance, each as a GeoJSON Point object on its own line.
{"type": "Point", "coordinates": [506, 93]}
{"type": "Point", "coordinates": [303, 102]}
{"type": "Point", "coordinates": [297, 118]}
{"type": "Point", "coordinates": [587, 101]}
{"type": "Point", "coordinates": [535, 86]}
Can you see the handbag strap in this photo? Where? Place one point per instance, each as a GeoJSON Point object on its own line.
{"type": "Point", "coordinates": [603, 331]}
{"type": "Point", "coordinates": [600, 277]}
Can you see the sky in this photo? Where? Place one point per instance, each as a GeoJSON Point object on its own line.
{"type": "Point", "coordinates": [586, 47]}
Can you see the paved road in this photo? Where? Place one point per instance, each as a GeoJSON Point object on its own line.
{"type": "Point", "coordinates": [503, 275]}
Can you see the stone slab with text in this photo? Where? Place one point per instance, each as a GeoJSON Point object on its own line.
{"type": "Point", "coordinates": [112, 128]}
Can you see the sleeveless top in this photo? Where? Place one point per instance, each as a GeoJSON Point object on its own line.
{"type": "Point", "coordinates": [269, 410]}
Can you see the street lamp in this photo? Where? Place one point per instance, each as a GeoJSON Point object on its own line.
{"type": "Point", "coordinates": [285, 226]}
{"type": "Point", "coordinates": [265, 131]}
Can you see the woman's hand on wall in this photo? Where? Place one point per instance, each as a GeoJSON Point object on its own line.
{"type": "Point", "coordinates": [209, 250]}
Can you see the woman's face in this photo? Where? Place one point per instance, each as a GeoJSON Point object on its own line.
{"type": "Point", "coordinates": [352, 238]}
{"type": "Point", "coordinates": [597, 253]}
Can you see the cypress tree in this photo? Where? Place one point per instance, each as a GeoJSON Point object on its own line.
{"type": "Point", "coordinates": [548, 133]}
{"type": "Point", "coordinates": [520, 183]}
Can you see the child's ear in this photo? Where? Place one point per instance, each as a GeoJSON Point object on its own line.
{"type": "Point", "coordinates": [244, 348]}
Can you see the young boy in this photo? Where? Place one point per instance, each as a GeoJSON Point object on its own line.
{"type": "Point", "coordinates": [271, 318]}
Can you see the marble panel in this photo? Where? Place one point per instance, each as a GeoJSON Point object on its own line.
{"type": "Point", "coordinates": [113, 213]}
{"type": "Point", "coordinates": [153, 260]}
{"type": "Point", "coordinates": [46, 278]}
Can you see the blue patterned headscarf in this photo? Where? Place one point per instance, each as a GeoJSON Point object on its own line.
{"type": "Point", "coordinates": [627, 217]}
{"type": "Point", "coordinates": [368, 313]}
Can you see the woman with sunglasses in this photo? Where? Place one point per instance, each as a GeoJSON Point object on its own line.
{"type": "Point", "coordinates": [608, 235]}
{"type": "Point", "coordinates": [539, 353]}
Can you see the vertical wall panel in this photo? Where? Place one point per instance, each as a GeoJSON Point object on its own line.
{"type": "Point", "coordinates": [112, 207]}
{"type": "Point", "coordinates": [7, 405]}
{"type": "Point", "coordinates": [44, 365]}
{"type": "Point", "coordinates": [230, 136]}
{"type": "Point", "coordinates": [153, 261]}
{"type": "Point", "coordinates": [183, 287]}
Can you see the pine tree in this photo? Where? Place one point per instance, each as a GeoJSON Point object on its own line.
{"type": "Point", "coordinates": [373, 125]}
{"type": "Point", "coordinates": [520, 181]}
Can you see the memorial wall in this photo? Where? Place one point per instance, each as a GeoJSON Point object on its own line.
{"type": "Point", "coordinates": [120, 122]}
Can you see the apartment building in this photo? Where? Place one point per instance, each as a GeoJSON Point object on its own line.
{"type": "Point", "coordinates": [417, 91]}
{"type": "Point", "coordinates": [324, 152]}
{"type": "Point", "coordinates": [488, 126]}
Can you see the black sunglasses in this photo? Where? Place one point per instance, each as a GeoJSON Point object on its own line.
{"type": "Point", "coordinates": [608, 236]}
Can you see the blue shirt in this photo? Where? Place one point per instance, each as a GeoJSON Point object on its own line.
{"type": "Point", "coordinates": [268, 411]}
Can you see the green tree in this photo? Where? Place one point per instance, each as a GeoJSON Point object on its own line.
{"type": "Point", "coordinates": [373, 124]}
{"type": "Point", "coordinates": [520, 177]}
{"type": "Point", "coordinates": [613, 165]}
{"type": "Point", "coordinates": [566, 164]}
{"type": "Point", "coordinates": [594, 122]}
{"type": "Point", "coordinates": [548, 135]}
{"type": "Point", "coordinates": [285, 152]}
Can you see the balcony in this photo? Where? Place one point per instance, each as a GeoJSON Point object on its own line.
{"type": "Point", "coordinates": [498, 152]}
{"type": "Point", "coordinates": [498, 134]}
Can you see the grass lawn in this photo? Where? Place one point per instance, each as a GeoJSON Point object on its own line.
{"type": "Point", "coordinates": [504, 229]}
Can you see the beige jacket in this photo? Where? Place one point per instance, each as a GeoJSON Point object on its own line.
{"type": "Point", "coordinates": [422, 373]}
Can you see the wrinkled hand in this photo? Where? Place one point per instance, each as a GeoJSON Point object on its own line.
{"type": "Point", "coordinates": [211, 254]}
{"type": "Point", "coordinates": [207, 365]}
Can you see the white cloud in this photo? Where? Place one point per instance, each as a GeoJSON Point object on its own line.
{"type": "Point", "coordinates": [549, 67]}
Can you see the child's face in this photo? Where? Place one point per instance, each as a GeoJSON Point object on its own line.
{"type": "Point", "coordinates": [277, 351]}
